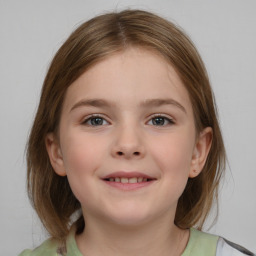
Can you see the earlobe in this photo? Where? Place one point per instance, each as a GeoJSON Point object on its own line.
{"type": "Point", "coordinates": [54, 153]}
{"type": "Point", "coordinates": [201, 151]}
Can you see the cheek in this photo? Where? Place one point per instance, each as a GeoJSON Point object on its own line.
{"type": "Point", "coordinates": [173, 155]}
{"type": "Point", "coordinates": [82, 157]}
{"type": "Point", "coordinates": [80, 153]}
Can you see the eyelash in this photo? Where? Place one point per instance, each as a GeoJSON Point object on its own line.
{"type": "Point", "coordinates": [168, 119]}
{"type": "Point", "coordinates": [95, 116]}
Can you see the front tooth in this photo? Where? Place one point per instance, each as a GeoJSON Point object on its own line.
{"type": "Point", "coordinates": [140, 179]}
{"type": "Point", "coordinates": [124, 180]}
{"type": "Point", "coordinates": [133, 180]}
{"type": "Point", "coordinates": [117, 179]}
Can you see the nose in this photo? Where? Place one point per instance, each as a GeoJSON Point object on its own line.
{"type": "Point", "coordinates": [128, 143]}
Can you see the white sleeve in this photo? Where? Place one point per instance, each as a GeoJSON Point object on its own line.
{"type": "Point", "coordinates": [226, 248]}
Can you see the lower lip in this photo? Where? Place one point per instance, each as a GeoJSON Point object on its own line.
{"type": "Point", "coordinates": [128, 186]}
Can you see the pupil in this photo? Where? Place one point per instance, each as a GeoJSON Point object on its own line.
{"type": "Point", "coordinates": [97, 121]}
{"type": "Point", "coordinates": [158, 121]}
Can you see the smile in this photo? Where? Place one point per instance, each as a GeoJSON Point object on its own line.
{"type": "Point", "coordinates": [128, 180]}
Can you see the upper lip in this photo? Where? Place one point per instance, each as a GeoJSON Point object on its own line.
{"type": "Point", "coordinates": [123, 174]}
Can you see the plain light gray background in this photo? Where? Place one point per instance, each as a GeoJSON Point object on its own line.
{"type": "Point", "coordinates": [224, 32]}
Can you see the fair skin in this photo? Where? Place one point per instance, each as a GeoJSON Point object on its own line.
{"type": "Point", "coordinates": [142, 130]}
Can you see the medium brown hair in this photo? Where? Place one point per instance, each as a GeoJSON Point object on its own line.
{"type": "Point", "coordinates": [94, 40]}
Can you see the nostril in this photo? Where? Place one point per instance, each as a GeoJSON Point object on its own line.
{"type": "Point", "coordinates": [120, 153]}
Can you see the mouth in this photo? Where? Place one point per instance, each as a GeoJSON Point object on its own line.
{"type": "Point", "coordinates": [125, 180]}
{"type": "Point", "coordinates": [128, 180]}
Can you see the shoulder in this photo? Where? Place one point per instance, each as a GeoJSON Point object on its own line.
{"type": "Point", "coordinates": [227, 248]}
{"type": "Point", "coordinates": [49, 248]}
{"type": "Point", "coordinates": [52, 247]}
{"type": "Point", "coordinates": [201, 243]}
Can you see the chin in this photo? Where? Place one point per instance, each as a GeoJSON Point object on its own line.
{"type": "Point", "coordinates": [130, 217]}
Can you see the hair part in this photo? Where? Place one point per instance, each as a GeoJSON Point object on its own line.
{"type": "Point", "coordinates": [91, 42]}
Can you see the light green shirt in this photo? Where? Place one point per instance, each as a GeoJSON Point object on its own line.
{"type": "Point", "coordinates": [199, 244]}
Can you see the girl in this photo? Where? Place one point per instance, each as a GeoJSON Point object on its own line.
{"type": "Point", "coordinates": [125, 155]}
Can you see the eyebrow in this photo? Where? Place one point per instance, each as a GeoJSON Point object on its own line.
{"type": "Point", "coordinates": [160, 102]}
{"type": "Point", "coordinates": [93, 103]}
{"type": "Point", "coordinates": [101, 103]}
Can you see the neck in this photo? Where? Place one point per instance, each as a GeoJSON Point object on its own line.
{"type": "Point", "coordinates": [161, 237]}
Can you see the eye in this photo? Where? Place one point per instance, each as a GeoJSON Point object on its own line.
{"type": "Point", "coordinates": [95, 121]}
{"type": "Point", "coordinates": [159, 120]}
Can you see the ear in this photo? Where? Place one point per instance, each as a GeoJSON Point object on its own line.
{"type": "Point", "coordinates": [201, 150]}
{"type": "Point", "coordinates": [55, 155]}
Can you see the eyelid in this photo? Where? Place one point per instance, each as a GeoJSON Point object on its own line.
{"type": "Point", "coordinates": [87, 118]}
{"type": "Point", "coordinates": [167, 117]}
{"type": "Point", "coordinates": [161, 115]}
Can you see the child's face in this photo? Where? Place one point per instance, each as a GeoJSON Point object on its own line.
{"type": "Point", "coordinates": [129, 116]}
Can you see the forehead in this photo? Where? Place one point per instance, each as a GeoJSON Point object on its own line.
{"type": "Point", "coordinates": [135, 74]}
